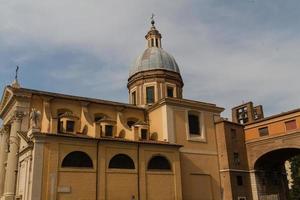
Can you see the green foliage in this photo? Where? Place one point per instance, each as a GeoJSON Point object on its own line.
{"type": "Point", "coordinates": [294, 193]}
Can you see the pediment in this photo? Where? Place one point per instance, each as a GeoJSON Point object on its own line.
{"type": "Point", "coordinates": [6, 97]}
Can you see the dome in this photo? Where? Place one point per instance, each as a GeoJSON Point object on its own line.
{"type": "Point", "coordinates": [154, 58]}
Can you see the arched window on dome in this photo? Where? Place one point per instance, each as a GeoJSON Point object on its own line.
{"type": "Point", "coordinates": [159, 163]}
{"type": "Point", "coordinates": [77, 159]}
{"type": "Point", "coordinates": [121, 161]}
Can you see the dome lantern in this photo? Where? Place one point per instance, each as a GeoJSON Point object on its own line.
{"type": "Point", "coordinates": [153, 36]}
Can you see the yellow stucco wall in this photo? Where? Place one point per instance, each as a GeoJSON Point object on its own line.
{"type": "Point", "coordinates": [199, 160]}
{"type": "Point", "coordinates": [113, 184]}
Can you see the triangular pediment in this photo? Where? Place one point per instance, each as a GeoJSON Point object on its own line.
{"type": "Point", "coordinates": [6, 97]}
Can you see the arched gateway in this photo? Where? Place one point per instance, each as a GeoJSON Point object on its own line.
{"type": "Point", "coordinates": [267, 154]}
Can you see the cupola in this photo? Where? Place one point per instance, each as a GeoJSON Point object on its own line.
{"type": "Point", "coordinates": [155, 73]}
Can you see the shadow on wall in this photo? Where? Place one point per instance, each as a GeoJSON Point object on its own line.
{"type": "Point", "coordinates": [198, 183]}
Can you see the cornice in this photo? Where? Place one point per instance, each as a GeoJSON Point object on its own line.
{"type": "Point", "coordinates": [187, 103]}
{"type": "Point", "coordinates": [156, 73]}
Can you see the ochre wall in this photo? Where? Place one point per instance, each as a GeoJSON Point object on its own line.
{"type": "Point", "coordinates": [86, 113]}
{"type": "Point", "coordinates": [276, 126]}
{"type": "Point", "coordinates": [199, 159]}
{"type": "Point", "coordinates": [113, 184]}
{"type": "Point", "coordinates": [155, 122]}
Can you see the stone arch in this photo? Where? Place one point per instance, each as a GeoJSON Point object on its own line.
{"type": "Point", "coordinates": [289, 152]}
{"type": "Point", "coordinates": [270, 172]}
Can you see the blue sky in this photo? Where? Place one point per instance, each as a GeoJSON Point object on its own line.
{"type": "Point", "coordinates": [229, 51]}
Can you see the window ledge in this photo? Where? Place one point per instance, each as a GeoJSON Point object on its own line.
{"type": "Point", "coordinates": [196, 138]}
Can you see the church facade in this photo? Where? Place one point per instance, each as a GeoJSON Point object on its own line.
{"type": "Point", "coordinates": [159, 146]}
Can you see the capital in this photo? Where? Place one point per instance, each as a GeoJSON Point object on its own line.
{"type": "Point", "coordinates": [18, 115]}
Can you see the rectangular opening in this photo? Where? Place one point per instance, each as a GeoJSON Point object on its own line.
{"type": "Point", "coordinates": [239, 180]}
{"type": "Point", "coordinates": [194, 127]}
{"type": "Point", "coordinates": [150, 94]}
{"type": "Point", "coordinates": [70, 126]}
{"type": "Point", "coordinates": [290, 125]}
{"type": "Point", "coordinates": [109, 130]}
{"type": "Point", "coordinates": [263, 131]}
{"type": "Point", "coordinates": [236, 158]}
{"type": "Point", "coordinates": [133, 98]}
{"type": "Point", "coordinates": [170, 91]}
{"type": "Point", "coordinates": [144, 133]}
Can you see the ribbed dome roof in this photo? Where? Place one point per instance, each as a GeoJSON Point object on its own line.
{"type": "Point", "coordinates": [154, 58]}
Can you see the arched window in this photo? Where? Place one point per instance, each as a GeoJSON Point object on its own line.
{"type": "Point", "coordinates": [77, 159]}
{"type": "Point", "coordinates": [159, 163]}
{"type": "Point", "coordinates": [121, 161]}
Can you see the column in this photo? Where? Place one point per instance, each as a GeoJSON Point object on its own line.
{"type": "Point", "coordinates": [12, 158]}
{"type": "Point", "coordinates": [253, 185]}
{"type": "Point", "coordinates": [3, 156]}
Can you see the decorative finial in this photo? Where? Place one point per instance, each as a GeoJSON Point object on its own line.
{"type": "Point", "coordinates": [152, 19]}
{"type": "Point", "coordinates": [16, 84]}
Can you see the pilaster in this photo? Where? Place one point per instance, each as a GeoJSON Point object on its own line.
{"type": "Point", "coordinates": [253, 185]}
{"type": "Point", "coordinates": [4, 133]}
{"type": "Point", "coordinates": [12, 158]}
{"type": "Point", "coordinates": [36, 179]}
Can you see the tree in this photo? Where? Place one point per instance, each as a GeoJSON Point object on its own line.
{"type": "Point", "coordinates": [294, 193]}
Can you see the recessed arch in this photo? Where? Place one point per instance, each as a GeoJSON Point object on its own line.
{"type": "Point", "coordinates": [78, 159]}
{"type": "Point", "coordinates": [121, 161]}
{"type": "Point", "coordinates": [159, 162]}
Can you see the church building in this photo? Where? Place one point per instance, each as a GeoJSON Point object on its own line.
{"type": "Point", "coordinates": [159, 146]}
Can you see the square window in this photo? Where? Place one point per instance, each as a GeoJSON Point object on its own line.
{"type": "Point", "coordinates": [150, 95]}
{"type": "Point", "coordinates": [70, 126]}
{"type": "Point", "coordinates": [290, 125]}
{"type": "Point", "coordinates": [239, 180]}
{"type": "Point", "coordinates": [170, 91]}
{"type": "Point", "coordinates": [263, 131]}
{"type": "Point", "coordinates": [109, 130]}
{"type": "Point", "coordinates": [194, 125]}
